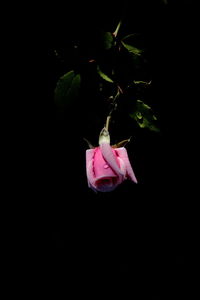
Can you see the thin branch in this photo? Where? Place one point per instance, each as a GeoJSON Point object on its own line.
{"type": "Point", "coordinates": [107, 122]}
{"type": "Point", "coordinates": [114, 99]}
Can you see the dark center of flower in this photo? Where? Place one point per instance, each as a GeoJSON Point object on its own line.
{"type": "Point", "coordinates": [106, 181]}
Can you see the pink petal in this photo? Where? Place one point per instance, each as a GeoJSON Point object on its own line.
{"type": "Point", "coordinates": [101, 167]}
{"type": "Point", "coordinates": [111, 158]}
{"type": "Point", "coordinates": [122, 153]}
{"type": "Point", "coordinates": [89, 165]}
{"type": "Point", "coordinates": [122, 166]}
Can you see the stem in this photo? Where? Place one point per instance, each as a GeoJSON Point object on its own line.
{"type": "Point", "coordinates": [114, 104]}
{"type": "Point", "coordinates": [120, 89]}
{"type": "Point", "coordinates": [107, 122]}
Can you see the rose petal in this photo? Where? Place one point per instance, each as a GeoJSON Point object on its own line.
{"type": "Point", "coordinates": [89, 165]}
{"type": "Point", "coordinates": [101, 167]}
{"type": "Point", "coordinates": [110, 157]}
{"type": "Point", "coordinates": [122, 153]}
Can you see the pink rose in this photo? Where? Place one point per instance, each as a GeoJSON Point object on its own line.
{"type": "Point", "coordinates": [107, 167]}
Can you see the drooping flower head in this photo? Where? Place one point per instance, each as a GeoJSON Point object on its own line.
{"type": "Point", "coordinates": [106, 166]}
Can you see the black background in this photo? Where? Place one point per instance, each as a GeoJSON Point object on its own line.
{"type": "Point", "coordinates": [142, 235]}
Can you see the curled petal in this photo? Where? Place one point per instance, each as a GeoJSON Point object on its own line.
{"type": "Point", "coordinates": [122, 153]}
{"type": "Point", "coordinates": [110, 158]}
{"type": "Point", "coordinates": [122, 166]}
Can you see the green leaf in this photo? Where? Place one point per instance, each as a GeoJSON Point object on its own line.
{"type": "Point", "coordinates": [108, 40]}
{"type": "Point", "coordinates": [132, 49]}
{"type": "Point", "coordinates": [144, 116]}
{"type": "Point", "coordinates": [67, 89]}
{"type": "Point", "coordinates": [104, 76]}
